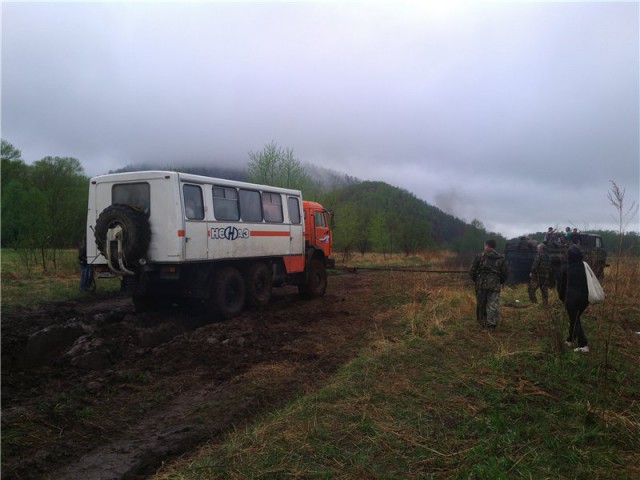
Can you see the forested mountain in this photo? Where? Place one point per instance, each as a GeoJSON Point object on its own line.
{"type": "Point", "coordinates": [369, 216]}
{"type": "Point", "coordinates": [380, 217]}
{"type": "Point", "coordinates": [328, 179]}
{"type": "Point", "coordinates": [44, 207]}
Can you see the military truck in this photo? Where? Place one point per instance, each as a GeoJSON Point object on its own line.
{"type": "Point", "coordinates": [521, 251]}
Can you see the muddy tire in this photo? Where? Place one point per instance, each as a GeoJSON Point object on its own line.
{"type": "Point", "coordinates": [143, 303]}
{"type": "Point", "coordinates": [316, 284]}
{"type": "Point", "coordinates": [259, 283]}
{"type": "Point", "coordinates": [136, 232]}
{"type": "Point", "coordinates": [228, 293]}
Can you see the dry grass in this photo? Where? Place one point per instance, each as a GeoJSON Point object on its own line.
{"type": "Point", "coordinates": [430, 259]}
{"type": "Point", "coordinates": [622, 278]}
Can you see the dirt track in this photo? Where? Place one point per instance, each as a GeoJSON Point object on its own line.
{"type": "Point", "coordinates": [93, 390]}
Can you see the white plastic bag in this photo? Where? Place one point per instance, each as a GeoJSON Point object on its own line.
{"type": "Point", "coordinates": [596, 294]}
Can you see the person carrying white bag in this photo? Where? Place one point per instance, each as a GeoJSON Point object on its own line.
{"type": "Point", "coordinates": [596, 293]}
{"type": "Point", "coordinates": [573, 290]}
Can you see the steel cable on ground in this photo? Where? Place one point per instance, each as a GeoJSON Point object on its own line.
{"type": "Point", "coordinates": [400, 269]}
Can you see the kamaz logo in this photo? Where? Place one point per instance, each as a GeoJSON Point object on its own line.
{"type": "Point", "coordinates": [229, 233]}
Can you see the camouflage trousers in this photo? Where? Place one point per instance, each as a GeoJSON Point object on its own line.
{"type": "Point", "coordinates": [534, 284]}
{"type": "Point", "coordinates": [487, 307]}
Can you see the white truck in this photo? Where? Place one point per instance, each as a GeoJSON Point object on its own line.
{"type": "Point", "coordinates": [175, 236]}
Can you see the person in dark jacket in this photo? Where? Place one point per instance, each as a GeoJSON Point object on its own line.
{"type": "Point", "coordinates": [489, 271]}
{"type": "Point", "coordinates": [574, 292]}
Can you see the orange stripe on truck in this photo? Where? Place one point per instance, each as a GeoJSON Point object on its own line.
{"type": "Point", "coordinates": [269, 233]}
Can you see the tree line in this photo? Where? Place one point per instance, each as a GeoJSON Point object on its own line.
{"type": "Point", "coordinates": [44, 207]}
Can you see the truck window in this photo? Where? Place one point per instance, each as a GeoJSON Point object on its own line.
{"type": "Point", "coordinates": [318, 218]}
{"type": "Point", "coordinates": [193, 204]}
{"type": "Point", "coordinates": [225, 204]}
{"type": "Point", "coordinates": [133, 194]}
{"type": "Point", "coordinates": [272, 207]}
{"type": "Point", "coordinates": [293, 205]}
{"type": "Point", "coordinates": [250, 206]}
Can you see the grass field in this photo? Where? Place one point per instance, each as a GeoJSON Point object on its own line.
{"type": "Point", "coordinates": [435, 396]}
{"type": "Point", "coordinates": [25, 283]}
{"type": "Point", "coordinates": [441, 398]}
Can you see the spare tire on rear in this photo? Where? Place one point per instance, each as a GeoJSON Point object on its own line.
{"type": "Point", "coordinates": [136, 231]}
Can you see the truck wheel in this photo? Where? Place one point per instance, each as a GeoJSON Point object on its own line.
{"type": "Point", "coordinates": [227, 295]}
{"type": "Point", "coordinates": [143, 303]}
{"type": "Point", "coordinates": [316, 284]}
{"type": "Point", "coordinates": [259, 282]}
{"type": "Point", "coordinates": [135, 228]}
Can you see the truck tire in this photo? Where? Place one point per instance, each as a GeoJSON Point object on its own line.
{"type": "Point", "coordinates": [143, 302]}
{"type": "Point", "coordinates": [135, 228]}
{"type": "Point", "coordinates": [316, 284]}
{"type": "Point", "coordinates": [227, 296]}
{"type": "Point", "coordinates": [259, 282]}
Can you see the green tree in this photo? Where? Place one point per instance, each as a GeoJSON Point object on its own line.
{"type": "Point", "coordinates": [64, 190]}
{"type": "Point", "coordinates": [277, 167]}
{"type": "Point", "coordinates": [473, 238]}
{"type": "Point", "coordinates": [44, 205]}
{"type": "Point", "coordinates": [351, 228]}
{"type": "Point", "coordinates": [21, 220]}
{"type": "Point", "coordinates": [15, 195]}
{"type": "Point", "coordinates": [13, 167]}
{"type": "Point", "coordinates": [378, 231]}
{"type": "Point", "coordinates": [413, 235]}
{"type": "Point", "coordinates": [9, 152]}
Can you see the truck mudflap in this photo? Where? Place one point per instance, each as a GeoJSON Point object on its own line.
{"type": "Point", "coordinates": [330, 263]}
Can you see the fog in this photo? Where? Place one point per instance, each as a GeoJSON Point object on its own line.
{"type": "Point", "coordinates": [516, 114]}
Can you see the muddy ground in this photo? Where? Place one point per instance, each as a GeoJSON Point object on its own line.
{"type": "Point", "coordinates": [93, 390]}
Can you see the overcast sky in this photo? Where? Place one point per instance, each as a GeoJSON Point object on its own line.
{"type": "Point", "coordinates": [514, 113]}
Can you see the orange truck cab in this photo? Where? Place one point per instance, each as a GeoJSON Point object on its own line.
{"type": "Point", "coordinates": [317, 231]}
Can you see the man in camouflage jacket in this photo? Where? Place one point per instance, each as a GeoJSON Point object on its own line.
{"type": "Point", "coordinates": [539, 276]}
{"type": "Point", "coordinates": [489, 271]}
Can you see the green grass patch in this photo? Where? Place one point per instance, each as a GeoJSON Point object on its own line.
{"type": "Point", "coordinates": [26, 282]}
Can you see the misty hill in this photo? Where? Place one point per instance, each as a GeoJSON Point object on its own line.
{"type": "Point", "coordinates": [325, 179]}
{"type": "Point", "coordinates": [369, 215]}
{"type": "Point", "coordinates": [328, 179]}
{"type": "Point", "coordinates": [380, 217]}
